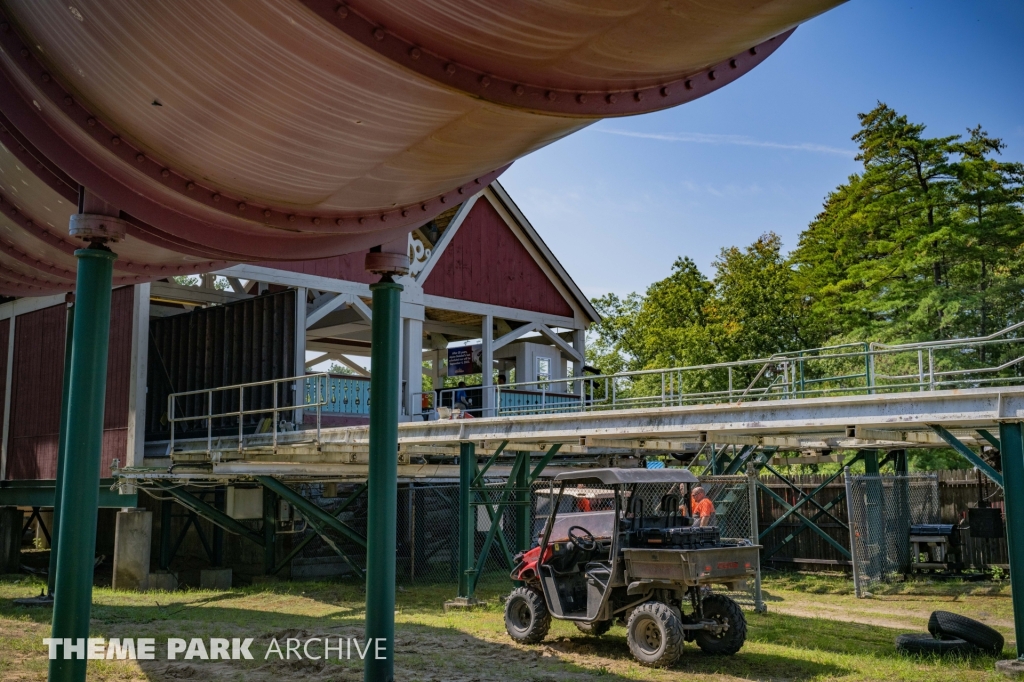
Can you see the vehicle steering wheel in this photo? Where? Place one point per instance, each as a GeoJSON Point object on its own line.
{"type": "Point", "coordinates": [585, 541]}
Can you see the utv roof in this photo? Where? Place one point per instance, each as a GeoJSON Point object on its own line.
{"type": "Point", "coordinates": [621, 476]}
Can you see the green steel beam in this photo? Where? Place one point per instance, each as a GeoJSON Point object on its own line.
{"type": "Point", "coordinates": [825, 536]}
{"type": "Point", "coordinates": [739, 460]}
{"type": "Point", "coordinates": [42, 493]}
{"type": "Point", "coordinates": [209, 512]}
{"type": "Point", "coordinates": [1011, 435]}
{"type": "Point", "coordinates": [987, 435]}
{"type": "Point", "coordinates": [506, 492]}
{"type": "Point", "coordinates": [319, 525]}
{"type": "Point", "coordinates": [804, 525]}
{"type": "Point", "coordinates": [382, 479]}
{"type": "Point", "coordinates": [309, 538]}
{"type": "Point", "coordinates": [270, 502]}
{"type": "Point", "coordinates": [309, 510]}
{"type": "Point", "coordinates": [467, 519]}
{"type": "Point", "coordinates": [544, 461]}
{"type": "Point", "coordinates": [808, 499]}
{"type": "Point", "coordinates": [494, 458]}
{"type": "Point", "coordinates": [968, 454]}
{"type": "Point", "coordinates": [523, 516]}
{"type": "Point", "coordinates": [803, 501]}
{"type": "Point", "coordinates": [72, 605]}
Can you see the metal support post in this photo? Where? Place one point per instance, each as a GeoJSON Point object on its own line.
{"type": "Point", "coordinates": [524, 531]}
{"type": "Point", "coordinates": [467, 518]}
{"type": "Point", "coordinates": [219, 496]}
{"type": "Point", "coordinates": [875, 540]}
{"type": "Point", "coordinates": [759, 604]}
{"type": "Point", "coordinates": [166, 510]}
{"type": "Point", "coordinates": [1011, 437]}
{"type": "Point", "coordinates": [80, 498]}
{"type": "Point", "coordinates": [382, 480]}
{"type": "Point", "coordinates": [854, 531]}
{"type": "Point", "coordinates": [62, 440]}
{"type": "Point", "coordinates": [269, 531]}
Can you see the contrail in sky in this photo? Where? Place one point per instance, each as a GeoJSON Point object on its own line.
{"type": "Point", "coordinates": [704, 138]}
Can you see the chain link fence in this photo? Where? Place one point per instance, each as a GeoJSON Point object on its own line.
{"type": "Point", "coordinates": [882, 508]}
{"type": "Point", "coordinates": [428, 525]}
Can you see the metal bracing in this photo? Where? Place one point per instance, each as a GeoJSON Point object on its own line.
{"type": "Point", "coordinates": [968, 454]}
{"type": "Point", "coordinates": [276, 568]}
{"type": "Point", "coordinates": [207, 511]}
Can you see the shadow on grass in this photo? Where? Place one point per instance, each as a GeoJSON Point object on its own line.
{"type": "Point", "coordinates": [456, 647]}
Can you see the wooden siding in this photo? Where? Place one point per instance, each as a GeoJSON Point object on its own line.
{"type": "Point", "coordinates": [5, 330]}
{"type": "Point", "coordinates": [36, 388]}
{"type": "Point", "coordinates": [348, 267]}
{"type": "Point", "coordinates": [486, 263]}
{"type": "Point", "coordinates": [241, 342]}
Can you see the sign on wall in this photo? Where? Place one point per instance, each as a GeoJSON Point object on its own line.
{"type": "Point", "coordinates": [464, 360]}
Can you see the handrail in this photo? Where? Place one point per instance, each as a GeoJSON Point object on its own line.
{"type": "Point", "coordinates": [208, 416]}
{"type": "Point", "coordinates": [794, 374]}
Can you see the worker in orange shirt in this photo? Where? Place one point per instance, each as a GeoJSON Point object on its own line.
{"type": "Point", "coordinates": [703, 508]}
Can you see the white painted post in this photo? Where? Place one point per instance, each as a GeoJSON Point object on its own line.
{"type": "Point", "coordinates": [300, 352]}
{"type": "Point", "coordinates": [487, 365]}
{"type": "Point", "coordinates": [138, 379]}
{"type": "Point", "coordinates": [412, 366]}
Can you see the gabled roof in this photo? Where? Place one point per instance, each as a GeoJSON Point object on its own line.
{"type": "Point", "coordinates": [538, 256]}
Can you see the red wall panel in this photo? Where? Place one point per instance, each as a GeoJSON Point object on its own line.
{"type": "Point", "coordinates": [348, 267]}
{"type": "Point", "coordinates": [5, 330]}
{"type": "Point", "coordinates": [36, 388]}
{"type": "Point", "coordinates": [486, 263]}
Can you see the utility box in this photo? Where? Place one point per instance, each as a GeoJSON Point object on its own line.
{"type": "Point", "coordinates": [244, 503]}
{"type": "Point", "coordinates": [986, 522]}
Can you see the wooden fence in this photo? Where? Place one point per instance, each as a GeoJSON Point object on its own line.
{"type": "Point", "coordinates": [958, 491]}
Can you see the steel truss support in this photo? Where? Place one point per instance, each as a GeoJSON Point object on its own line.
{"type": "Point", "coordinates": [80, 497]}
{"type": "Point", "coordinates": [970, 455]}
{"type": "Point", "coordinates": [515, 493]}
{"type": "Point", "coordinates": [1011, 436]}
{"type": "Point", "coordinates": [275, 568]}
{"type": "Point", "coordinates": [208, 512]}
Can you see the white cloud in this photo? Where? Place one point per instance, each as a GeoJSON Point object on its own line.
{"type": "Point", "coordinates": [740, 140]}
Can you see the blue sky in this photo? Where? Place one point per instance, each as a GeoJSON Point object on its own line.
{"type": "Point", "coordinates": [621, 200]}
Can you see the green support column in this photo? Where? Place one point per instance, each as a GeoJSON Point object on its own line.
{"type": "Point", "coordinates": [80, 497]}
{"type": "Point", "coordinates": [873, 502]}
{"type": "Point", "coordinates": [269, 531]}
{"type": "Point", "coordinates": [524, 531]}
{"type": "Point", "coordinates": [69, 330]}
{"type": "Point", "coordinates": [1012, 452]}
{"type": "Point", "coordinates": [382, 480]}
{"type": "Point", "coordinates": [467, 521]}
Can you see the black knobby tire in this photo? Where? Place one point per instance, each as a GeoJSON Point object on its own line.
{"type": "Point", "coordinates": [727, 612]}
{"type": "Point", "coordinates": [597, 628]}
{"type": "Point", "coordinates": [654, 634]}
{"type": "Point", "coordinates": [947, 625]}
{"type": "Point", "coordinates": [918, 644]}
{"type": "Point", "coordinates": [527, 619]}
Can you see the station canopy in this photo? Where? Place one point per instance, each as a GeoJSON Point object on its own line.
{"type": "Point", "coordinates": [226, 132]}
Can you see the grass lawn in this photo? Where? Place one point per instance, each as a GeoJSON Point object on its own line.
{"type": "Point", "coordinates": [814, 630]}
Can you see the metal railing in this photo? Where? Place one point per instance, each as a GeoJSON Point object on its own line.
{"type": "Point", "coordinates": [847, 369]}
{"type": "Point", "coordinates": [300, 387]}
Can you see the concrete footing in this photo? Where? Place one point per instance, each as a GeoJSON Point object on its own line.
{"type": "Point", "coordinates": [1012, 668]}
{"type": "Point", "coordinates": [215, 579]}
{"type": "Point", "coordinates": [11, 520]}
{"type": "Point", "coordinates": [463, 604]}
{"type": "Point", "coordinates": [164, 581]}
{"type": "Point", "coordinates": [132, 541]}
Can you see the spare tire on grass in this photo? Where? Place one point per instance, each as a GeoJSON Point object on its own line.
{"type": "Point", "coordinates": [918, 644]}
{"type": "Point", "coordinates": [945, 625]}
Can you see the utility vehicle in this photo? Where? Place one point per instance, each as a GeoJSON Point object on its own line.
{"type": "Point", "coordinates": [635, 558]}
